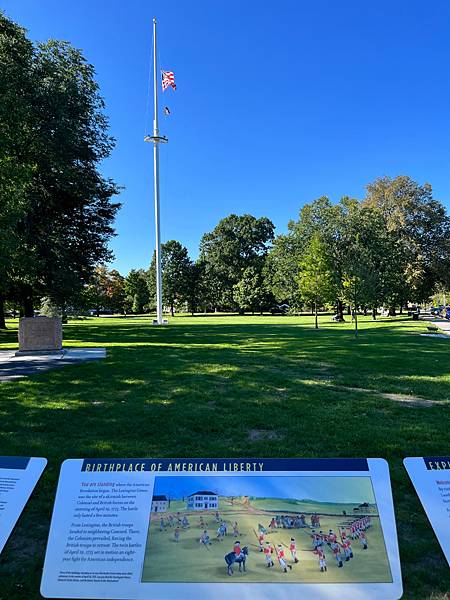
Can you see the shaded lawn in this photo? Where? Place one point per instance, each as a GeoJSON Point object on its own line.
{"type": "Point", "coordinates": [230, 387]}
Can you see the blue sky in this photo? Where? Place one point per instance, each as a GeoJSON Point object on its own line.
{"type": "Point", "coordinates": [321, 489]}
{"type": "Point", "coordinates": [277, 103]}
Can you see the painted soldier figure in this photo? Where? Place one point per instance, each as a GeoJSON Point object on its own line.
{"type": "Point", "coordinates": [268, 554]}
{"type": "Point", "coordinates": [293, 550]}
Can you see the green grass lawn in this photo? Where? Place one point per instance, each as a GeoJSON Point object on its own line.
{"type": "Point", "coordinates": [223, 386]}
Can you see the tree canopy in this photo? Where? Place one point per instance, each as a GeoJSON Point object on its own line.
{"type": "Point", "coordinates": [53, 195]}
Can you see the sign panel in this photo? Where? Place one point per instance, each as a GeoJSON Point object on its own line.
{"type": "Point", "coordinates": [430, 476]}
{"type": "Point", "coordinates": [18, 478]}
{"type": "Point", "coordinates": [180, 529]}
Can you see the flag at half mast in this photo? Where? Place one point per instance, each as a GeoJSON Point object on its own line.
{"type": "Point", "coordinates": [167, 79]}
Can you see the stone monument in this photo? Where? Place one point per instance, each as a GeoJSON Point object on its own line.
{"type": "Point", "coordinates": [40, 335]}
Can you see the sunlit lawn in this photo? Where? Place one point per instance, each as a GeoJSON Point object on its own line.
{"type": "Point", "coordinates": [224, 386]}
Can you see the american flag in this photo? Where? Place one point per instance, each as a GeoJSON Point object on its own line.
{"type": "Point", "coordinates": [168, 78]}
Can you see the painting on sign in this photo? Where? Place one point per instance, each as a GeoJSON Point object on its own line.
{"type": "Point", "coordinates": [266, 529]}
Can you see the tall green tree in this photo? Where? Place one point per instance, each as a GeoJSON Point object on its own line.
{"type": "Point", "coordinates": [420, 227]}
{"type": "Point", "coordinates": [137, 295]}
{"type": "Point", "coordinates": [176, 272]}
{"type": "Point", "coordinates": [176, 268]}
{"type": "Point", "coordinates": [194, 292]}
{"type": "Point", "coordinates": [94, 295]}
{"type": "Point", "coordinates": [235, 244]}
{"type": "Point", "coordinates": [16, 164]}
{"type": "Point", "coordinates": [250, 292]}
{"type": "Point", "coordinates": [57, 204]}
{"type": "Point", "coordinates": [70, 216]}
{"type": "Point", "coordinates": [315, 277]}
{"type": "Point", "coordinates": [327, 219]}
{"type": "Point", "coordinates": [281, 267]}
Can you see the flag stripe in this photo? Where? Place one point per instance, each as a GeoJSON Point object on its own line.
{"type": "Point", "coordinates": [167, 79]}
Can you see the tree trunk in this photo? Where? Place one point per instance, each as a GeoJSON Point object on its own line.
{"type": "Point", "coordinates": [401, 308]}
{"type": "Point", "coordinates": [97, 311]}
{"type": "Point", "coordinates": [64, 317]}
{"type": "Point", "coordinates": [356, 323]}
{"type": "Point", "coordinates": [340, 310]}
{"type": "Point", "coordinates": [392, 312]}
{"type": "Point", "coordinates": [28, 310]}
{"type": "Point", "coordinates": [172, 312]}
{"type": "Point", "coordinates": [374, 314]}
{"type": "Point", "coordinates": [2, 313]}
{"type": "Point", "coordinates": [349, 310]}
{"type": "Point", "coordinates": [315, 313]}
{"type": "Point", "coordinates": [365, 311]}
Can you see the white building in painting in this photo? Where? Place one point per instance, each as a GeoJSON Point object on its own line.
{"type": "Point", "coordinates": [203, 500]}
{"type": "Point", "coordinates": [160, 504]}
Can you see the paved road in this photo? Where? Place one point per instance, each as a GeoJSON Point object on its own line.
{"type": "Point", "coordinates": [443, 324]}
{"type": "Point", "coordinates": [16, 367]}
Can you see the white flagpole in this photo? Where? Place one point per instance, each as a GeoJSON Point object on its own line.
{"type": "Point", "coordinates": [156, 139]}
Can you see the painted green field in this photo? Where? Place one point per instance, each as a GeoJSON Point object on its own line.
{"type": "Point", "coordinates": [306, 507]}
{"type": "Point", "coordinates": [224, 386]}
{"type": "Point", "coordinates": [189, 561]}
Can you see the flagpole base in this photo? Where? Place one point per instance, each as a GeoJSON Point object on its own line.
{"type": "Point", "coordinates": [163, 322]}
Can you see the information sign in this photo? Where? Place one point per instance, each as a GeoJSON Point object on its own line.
{"type": "Point", "coordinates": [430, 476]}
{"type": "Point", "coordinates": [185, 529]}
{"type": "Point", "coordinates": [18, 478]}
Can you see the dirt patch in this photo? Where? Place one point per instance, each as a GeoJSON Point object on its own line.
{"type": "Point", "coordinates": [256, 435]}
{"type": "Point", "coordinates": [405, 399]}
{"type": "Point", "coordinates": [410, 400]}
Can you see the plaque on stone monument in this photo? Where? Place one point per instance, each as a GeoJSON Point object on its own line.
{"type": "Point", "coordinates": [40, 334]}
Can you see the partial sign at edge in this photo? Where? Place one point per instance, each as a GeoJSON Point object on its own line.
{"type": "Point", "coordinates": [430, 476]}
{"type": "Point", "coordinates": [18, 478]}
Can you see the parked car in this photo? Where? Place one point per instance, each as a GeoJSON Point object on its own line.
{"type": "Point", "coordinates": [279, 309]}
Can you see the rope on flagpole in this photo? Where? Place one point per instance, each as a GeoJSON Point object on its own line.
{"type": "Point", "coordinates": [149, 83]}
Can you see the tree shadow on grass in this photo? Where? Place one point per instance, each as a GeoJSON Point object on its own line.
{"type": "Point", "coordinates": [201, 390]}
